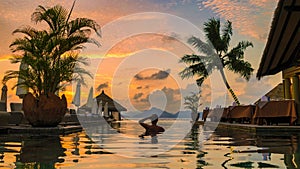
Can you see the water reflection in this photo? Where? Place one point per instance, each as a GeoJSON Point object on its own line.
{"type": "Point", "coordinates": [196, 144]}
{"type": "Point", "coordinates": [40, 152]}
{"type": "Point", "coordinates": [224, 149]}
{"type": "Point", "coordinates": [245, 149]}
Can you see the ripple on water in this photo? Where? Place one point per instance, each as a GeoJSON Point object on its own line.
{"type": "Point", "coordinates": [106, 150]}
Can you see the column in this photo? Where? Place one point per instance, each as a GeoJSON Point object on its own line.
{"type": "Point", "coordinates": [296, 95]}
{"type": "Point", "coordinates": [287, 88]}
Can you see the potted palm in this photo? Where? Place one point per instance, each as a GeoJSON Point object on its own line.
{"type": "Point", "coordinates": [52, 61]}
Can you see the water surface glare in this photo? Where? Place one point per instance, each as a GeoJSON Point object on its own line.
{"type": "Point", "coordinates": [224, 149]}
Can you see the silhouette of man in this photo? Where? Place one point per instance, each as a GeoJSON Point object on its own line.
{"type": "Point", "coordinates": [151, 130]}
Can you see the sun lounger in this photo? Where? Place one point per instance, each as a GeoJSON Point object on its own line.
{"type": "Point", "coordinates": [2, 106]}
{"type": "Point", "coordinates": [275, 112]}
{"type": "Point", "coordinates": [17, 115]}
{"type": "Point", "coordinates": [241, 114]}
{"type": "Point", "coordinates": [4, 115]}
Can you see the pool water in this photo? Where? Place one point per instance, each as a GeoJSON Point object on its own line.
{"type": "Point", "coordinates": [120, 147]}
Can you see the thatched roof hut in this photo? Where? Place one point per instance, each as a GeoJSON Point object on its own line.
{"type": "Point", "coordinates": [112, 105]}
{"type": "Point", "coordinates": [114, 108]}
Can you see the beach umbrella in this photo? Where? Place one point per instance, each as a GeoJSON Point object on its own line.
{"type": "Point", "coordinates": [89, 102]}
{"type": "Point", "coordinates": [4, 95]}
{"type": "Point", "coordinates": [76, 99]}
{"type": "Point", "coordinates": [100, 108]}
{"type": "Point", "coordinates": [22, 90]}
{"type": "Point", "coordinates": [106, 110]}
{"type": "Point", "coordinates": [94, 107]}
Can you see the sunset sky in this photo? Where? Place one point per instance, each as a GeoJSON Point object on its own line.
{"type": "Point", "coordinates": [142, 41]}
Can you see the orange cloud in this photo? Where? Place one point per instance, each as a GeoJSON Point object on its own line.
{"type": "Point", "coordinates": [136, 43]}
{"type": "Point", "coordinates": [140, 90]}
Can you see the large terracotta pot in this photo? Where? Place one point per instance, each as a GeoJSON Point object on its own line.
{"type": "Point", "coordinates": [45, 111]}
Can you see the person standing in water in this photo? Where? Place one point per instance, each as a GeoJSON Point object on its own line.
{"type": "Point", "coordinates": [153, 129]}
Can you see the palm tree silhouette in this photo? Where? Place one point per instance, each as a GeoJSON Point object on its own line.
{"type": "Point", "coordinates": [216, 55]}
{"type": "Point", "coordinates": [52, 54]}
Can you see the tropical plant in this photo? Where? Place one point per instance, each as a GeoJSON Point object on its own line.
{"type": "Point", "coordinates": [52, 61]}
{"type": "Point", "coordinates": [191, 102]}
{"type": "Point", "coordinates": [51, 55]}
{"type": "Point", "coordinates": [215, 55]}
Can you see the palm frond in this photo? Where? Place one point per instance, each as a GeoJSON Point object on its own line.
{"type": "Point", "coordinates": [27, 30]}
{"type": "Point", "coordinates": [191, 59]}
{"type": "Point", "coordinates": [206, 48]}
{"type": "Point", "coordinates": [195, 69]}
{"type": "Point", "coordinates": [212, 32]}
{"type": "Point", "coordinates": [55, 16]}
{"type": "Point", "coordinates": [79, 23]}
{"type": "Point", "coordinates": [238, 51]}
{"type": "Point", "coordinates": [226, 35]}
{"type": "Point", "coordinates": [241, 67]}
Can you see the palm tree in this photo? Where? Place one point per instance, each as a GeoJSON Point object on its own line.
{"type": "Point", "coordinates": [216, 55]}
{"type": "Point", "coordinates": [51, 55]}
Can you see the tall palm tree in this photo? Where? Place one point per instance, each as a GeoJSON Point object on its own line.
{"type": "Point", "coordinates": [216, 55]}
{"type": "Point", "coordinates": [52, 54]}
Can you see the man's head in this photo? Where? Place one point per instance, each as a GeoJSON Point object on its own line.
{"type": "Point", "coordinates": [154, 119]}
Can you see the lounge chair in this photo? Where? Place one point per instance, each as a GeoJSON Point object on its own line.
{"type": "Point", "coordinates": [70, 118]}
{"type": "Point", "coordinates": [17, 115]}
{"type": "Point", "coordinates": [4, 115]}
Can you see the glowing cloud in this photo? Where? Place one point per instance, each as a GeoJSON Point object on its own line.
{"type": "Point", "coordinates": [245, 15]}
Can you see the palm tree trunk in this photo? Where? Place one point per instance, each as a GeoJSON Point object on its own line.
{"type": "Point", "coordinates": [228, 87]}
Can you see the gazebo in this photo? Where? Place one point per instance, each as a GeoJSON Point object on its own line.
{"type": "Point", "coordinates": [114, 108]}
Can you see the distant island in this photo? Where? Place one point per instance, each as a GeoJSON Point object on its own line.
{"type": "Point", "coordinates": [160, 113]}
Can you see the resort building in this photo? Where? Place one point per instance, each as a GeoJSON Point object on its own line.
{"type": "Point", "coordinates": [274, 94]}
{"type": "Point", "coordinates": [114, 108]}
{"type": "Point", "coordinates": [110, 109]}
{"type": "Point", "coordinates": [282, 50]}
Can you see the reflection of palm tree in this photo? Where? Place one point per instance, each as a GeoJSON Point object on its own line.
{"type": "Point", "coordinates": [216, 55]}
{"type": "Point", "coordinates": [194, 145]}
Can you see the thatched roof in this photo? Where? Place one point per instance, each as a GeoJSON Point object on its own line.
{"type": "Point", "coordinates": [282, 50]}
{"type": "Point", "coordinates": [275, 94]}
{"type": "Point", "coordinates": [112, 105]}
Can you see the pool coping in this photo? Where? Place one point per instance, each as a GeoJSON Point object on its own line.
{"type": "Point", "coordinates": [251, 127]}
{"type": "Point", "coordinates": [29, 130]}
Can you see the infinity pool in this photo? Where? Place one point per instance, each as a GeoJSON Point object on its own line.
{"type": "Point", "coordinates": [118, 146]}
